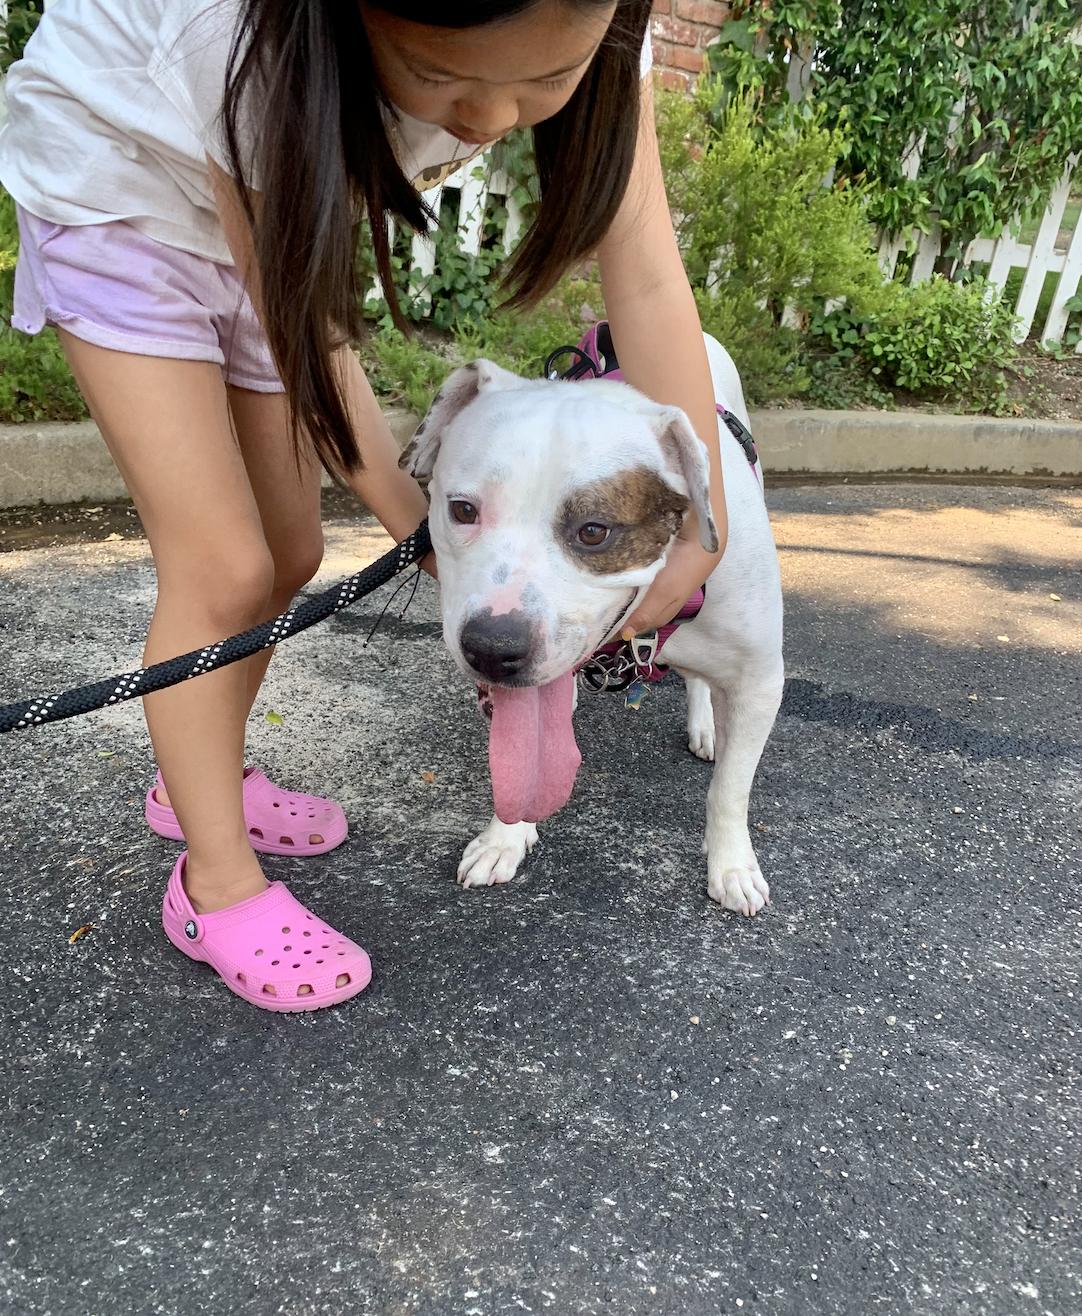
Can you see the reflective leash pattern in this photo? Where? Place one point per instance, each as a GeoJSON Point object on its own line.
{"type": "Point", "coordinates": [117, 689]}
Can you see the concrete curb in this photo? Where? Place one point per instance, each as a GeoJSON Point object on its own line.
{"type": "Point", "coordinates": [889, 442]}
{"type": "Point", "coordinates": [68, 463]}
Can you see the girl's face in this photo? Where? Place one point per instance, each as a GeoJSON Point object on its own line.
{"type": "Point", "coordinates": [478, 83]}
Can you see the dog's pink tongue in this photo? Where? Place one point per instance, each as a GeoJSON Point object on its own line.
{"type": "Point", "coordinates": [532, 753]}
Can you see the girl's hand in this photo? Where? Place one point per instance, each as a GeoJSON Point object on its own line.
{"type": "Point", "coordinates": [689, 564]}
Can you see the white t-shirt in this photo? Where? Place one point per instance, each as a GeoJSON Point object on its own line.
{"type": "Point", "coordinates": [116, 104]}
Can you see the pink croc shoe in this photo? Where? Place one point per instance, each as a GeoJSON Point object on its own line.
{"type": "Point", "coordinates": [279, 822]}
{"type": "Point", "coordinates": [267, 948]}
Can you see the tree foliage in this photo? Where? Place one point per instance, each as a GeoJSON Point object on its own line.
{"type": "Point", "coordinates": [16, 29]}
{"type": "Point", "coordinates": [990, 90]}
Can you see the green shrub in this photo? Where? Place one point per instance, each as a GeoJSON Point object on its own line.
{"type": "Point", "coordinates": [461, 289]}
{"type": "Point", "coordinates": [843, 384]}
{"type": "Point", "coordinates": [410, 370]}
{"type": "Point", "coordinates": [404, 370]}
{"type": "Point", "coordinates": [17, 28]}
{"type": "Point", "coordinates": [758, 229]}
{"type": "Point", "coordinates": [1065, 348]}
{"type": "Point", "coordinates": [464, 287]}
{"type": "Point", "coordinates": [521, 340]}
{"type": "Point", "coordinates": [992, 90]}
{"type": "Point", "coordinates": [938, 338]}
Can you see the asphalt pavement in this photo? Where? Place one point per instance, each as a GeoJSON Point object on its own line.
{"type": "Point", "coordinates": [590, 1091]}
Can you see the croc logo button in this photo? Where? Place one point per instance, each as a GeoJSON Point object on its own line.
{"type": "Point", "coordinates": [190, 930]}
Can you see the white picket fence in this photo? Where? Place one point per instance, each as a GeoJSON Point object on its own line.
{"type": "Point", "coordinates": [1049, 252]}
{"type": "Point", "coordinates": [477, 186]}
{"type": "Point", "coordinates": [1052, 251]}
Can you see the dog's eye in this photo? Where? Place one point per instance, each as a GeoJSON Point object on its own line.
{"type": "Point", "coordinates": [464, 513]}
{"type": "Point", "coordinates": [593, 534]}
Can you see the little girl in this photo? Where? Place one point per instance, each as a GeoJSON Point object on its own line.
{"type": "Point", "coordinates": [189, 175]}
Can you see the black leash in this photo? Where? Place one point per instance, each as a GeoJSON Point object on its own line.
{"type": "Point", "coordinates": [117, 689]}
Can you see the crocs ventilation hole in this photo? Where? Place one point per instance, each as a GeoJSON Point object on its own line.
{"type": "Point", "coordinates": [276, 805]}
{"type": "Point", "coordinates": [296, 966]}
{"type": "Point", "coordinates": [287, 947]}
{"type": "Point", "coordinates": [274, 962]}
{"type": "Point", "coordinates": [306, 933]}
{"type": "Point", "coordinates": [319, 961]}
{"type": "Point", "coordinates": [285, 931]}
{"type": "Point", "coordinates": [259, 952]}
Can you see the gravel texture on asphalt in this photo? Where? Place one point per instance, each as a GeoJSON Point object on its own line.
{"type": "Point", "coordinates": [589, 1091]}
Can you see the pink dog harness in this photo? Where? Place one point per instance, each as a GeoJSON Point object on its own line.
{"type": "Point", "coordinates": [619, 664]}
{"type": "Point", "coordinates": [595, 358]}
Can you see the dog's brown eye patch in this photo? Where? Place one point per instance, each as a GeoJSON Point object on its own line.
{"type": "Point", "coordinates": [637, 513]}
{"type": "Point", "coordinates": [463, 512]}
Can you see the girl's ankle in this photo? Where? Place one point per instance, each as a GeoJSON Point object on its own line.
{"type": "Point", "coordinates": [215, 885]}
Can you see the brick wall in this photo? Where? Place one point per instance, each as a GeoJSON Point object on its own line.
{"type": "Point", "coordinates": [681, 30]}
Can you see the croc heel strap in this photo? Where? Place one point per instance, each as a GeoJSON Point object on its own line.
{"type": "Point", "coordinates": [278, 821]}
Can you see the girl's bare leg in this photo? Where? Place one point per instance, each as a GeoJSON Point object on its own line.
{"type": "Point", "coordinates": [168, 427]}
{"type": "Point", "coordinates": [287, 499]}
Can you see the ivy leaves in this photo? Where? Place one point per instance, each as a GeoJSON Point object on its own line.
{"type": "Point", "coordinates": [990, 90]}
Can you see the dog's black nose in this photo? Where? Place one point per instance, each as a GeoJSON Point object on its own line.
{"type": "Point", "coordinates": [497, 647]}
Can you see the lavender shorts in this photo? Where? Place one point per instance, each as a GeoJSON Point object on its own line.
{"type": "Point", "coordinates": [113, 286]}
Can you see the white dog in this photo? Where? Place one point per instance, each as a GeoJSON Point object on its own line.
{"type": "Point", "coordinates": [553, 505]}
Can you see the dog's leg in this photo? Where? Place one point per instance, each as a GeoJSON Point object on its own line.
{"type": "Point", "coordinates": [744, 712]}
{"type": "Point", "coordinates": [700, 719]}
{"type": "Point", "coordinates": [495, 855]}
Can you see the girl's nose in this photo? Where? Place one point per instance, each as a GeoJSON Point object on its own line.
{"type": "Point", "coordinates": [487, 116]}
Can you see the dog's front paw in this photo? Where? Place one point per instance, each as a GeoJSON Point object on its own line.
{"type": "Point", "coordinates": [495, 855]}
{"type": "Point", "coordinates": [701, 742]}
{"type": "Point", "coordinates": [700, 719]}
{"type": "Point", "coordinates": [739, 887]}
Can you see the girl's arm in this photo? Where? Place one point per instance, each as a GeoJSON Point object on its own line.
{"type": "Point", "coordinates": [659, 342]}
{"type": "Point", "coordinates": [393, 496]}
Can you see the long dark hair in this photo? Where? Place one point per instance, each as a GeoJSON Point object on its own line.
{"type": "Point", "coordinates": [296, 68]}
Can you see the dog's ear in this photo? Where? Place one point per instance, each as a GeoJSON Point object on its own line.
{"type": "Point", "coordinates": [689, 455]}
{"type": "Point", "coordinates": [458, 391]}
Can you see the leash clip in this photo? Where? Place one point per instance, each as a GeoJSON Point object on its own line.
{"type": "Point", "coordinates": [644, 651]}
{"type": "Point", "coordinates": [618, 669]}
